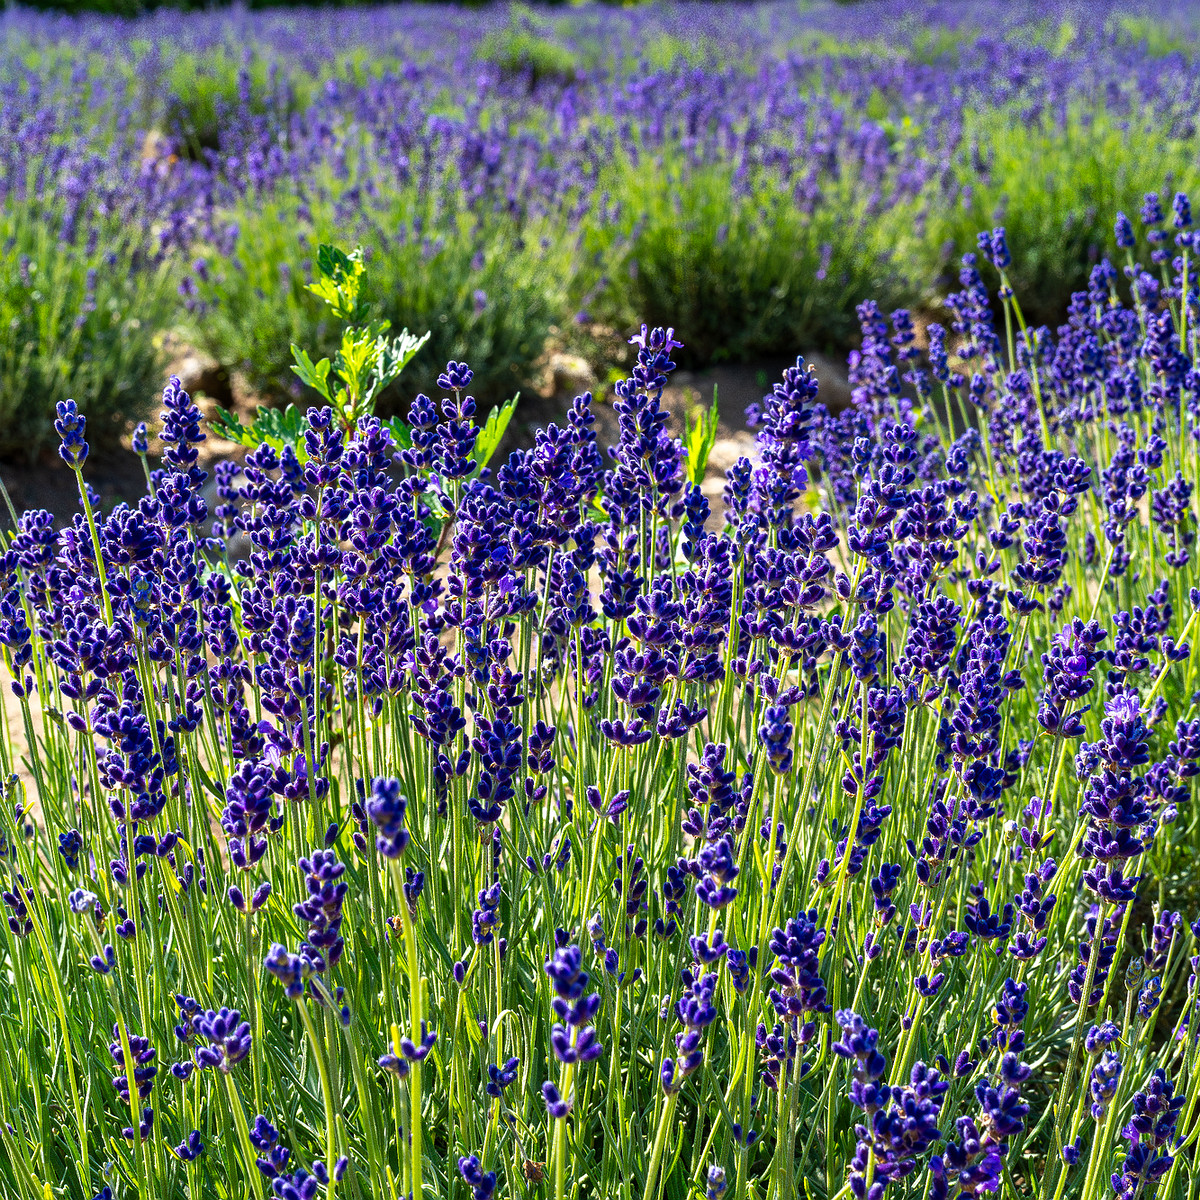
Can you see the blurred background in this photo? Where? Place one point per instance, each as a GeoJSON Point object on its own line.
{"type": "Point", "coordinates": [530, 184]}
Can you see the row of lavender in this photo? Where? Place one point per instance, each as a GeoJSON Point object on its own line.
{"type": "Point", "coordinates": [541, 831]}
{"type": "Point", "coordinates": [750, 173]}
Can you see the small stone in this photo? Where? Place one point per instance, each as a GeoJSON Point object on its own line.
{"type": "Point", "coordinates": [201, 374]}
{"type": "Point", "coordinates": [571, 374]}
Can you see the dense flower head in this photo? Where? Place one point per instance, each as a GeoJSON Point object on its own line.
{"type": "Point", "coordinates": [386, 807]}
{"type": "Point", "coordinates": [227, 1039]}
{"type": "Point", "coordinates": [321, 908]}
{"type": "Point", "coordinates": [482, 1183]}
{"type": "Point", "coordinates": [571, 1002]}
{"type": "Point", "coordinates": [70, 425]}
{"type": "Point", "coordinates": [143, 1065]}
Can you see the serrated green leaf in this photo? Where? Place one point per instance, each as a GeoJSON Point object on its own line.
{"type": "Point", "coordinates": [394, 354]}
{"type": "Point", "coordinates": [271, 427]}
{"type": "Point", "coordinates": [331, 262]}
{"type": "Point", "coordinates": [228, 426]}
{"type": "Point", "coordinates": [340, 279]}
{"type": "Point", "coordinates": [315, 375]}
{"type": "Point", "coordinates": [492, 431]}
{"type": "Point", "coordinates": [327, 290]}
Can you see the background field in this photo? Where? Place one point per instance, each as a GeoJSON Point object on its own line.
{"type": "Point", "coordinates": [526, 180]}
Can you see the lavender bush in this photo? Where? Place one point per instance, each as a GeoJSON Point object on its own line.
{"type": "Point", "coordinates": [540, 831]}
{"type": "Point", "coordinates": [748, 173]}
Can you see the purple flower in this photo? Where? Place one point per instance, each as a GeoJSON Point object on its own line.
{"type": "Point", "coordinates": [227, 1036]}
{"type": "Point", "coordinates": [143, 1065]}
{"type": "Point", "coordinates": [481, 1183]}
{"type": "Point", "coordinates": [70, 425]}
{"type": "Point", "coordinates": [387, 807]}
{"type": "Point", "coordinates": [572, 1038]}
{"type": "Point", "coordinates": [556, 1106]}
{"type": "Point", "coordinates": [776, 733]}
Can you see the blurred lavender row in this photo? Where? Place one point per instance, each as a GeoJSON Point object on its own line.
{"type": "Point", "coordinates": [748, 173]}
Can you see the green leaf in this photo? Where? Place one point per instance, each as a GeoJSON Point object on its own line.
{"type": "Point", "coordinates": [701, 437]}
{"type": "Point", "coordinates": [271, 427]}
{"type": "Point", "coordinates": [228, 426]}
{"type": "Point", "coordinates": [315, 375]}
{"type": "Point", "coordinates": [336, 264]}
{"type": "Point", "coordinates": [394, 354]}
{"type": "Point", "coordinates": [401, 432]}
{"type": "Point", "coordinates": [492, 431]}
{"type": "Point", "coordinates": [281, 427]}
{"type": "Point", "coordinates": [339, 281]}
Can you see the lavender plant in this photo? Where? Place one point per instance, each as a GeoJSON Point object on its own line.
{"type": "Point", "coordinates": [538, 830]}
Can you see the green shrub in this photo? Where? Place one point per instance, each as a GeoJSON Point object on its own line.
{"type": "Point", "coordinates": [481, 291]}
{"type": "Point", "coordinates": [1159, 34]}
{"type": "Point", "coordinates": [197, 91]}
{"type": "Point", "coordinates": [1054, 190]}
{"type": "Point", "coordinates": [744, 275]}
{"type": "Point", "coordinates": [78, 324]}
{"type": "Point", "coordinates": [524, 47]}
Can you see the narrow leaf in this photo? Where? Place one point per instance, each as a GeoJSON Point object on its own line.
{"type": "Point", "coordinates": [493, 430]}
{"type": "Point", "coordinates": [701, 437]}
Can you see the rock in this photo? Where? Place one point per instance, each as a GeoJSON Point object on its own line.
{"type": "Point", "coordinates": [570, 375]}
{"type": "Point", "coordinates": [156, 148]}
{"type": "Point", "coordinates": [201, 374]}
{"type": "Point", "coordinates": [833, 381]}
{"type": "Point", "coordinates": [727, 450]}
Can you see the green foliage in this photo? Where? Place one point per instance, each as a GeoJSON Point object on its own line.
{"type": "Point", "coordinates": [1055, 190]}
{"type": "Point", "coordinates": [367, 360]}
{"type": "Point", "coordinates": [735, 265]}
{"type": "Point", "coordinates": [366, 363]}
{"type": "Point", "coordinates": [937, 46]}
{"type": "Point", "coordinates": [195, 91]}
{"type": "Point", "coordinates": [663, 51]}
{"type": "Point", "coordinates": [701, 438]}
{"type": "Point", "coordinates": [741, 275]}
{"type": "Point", "coordinates": [274, 427]}
{"type": "Point", "coordinates": [525, 46]}
{"type": "Point", "coordinates": [491, 433]}
{"type": "Point", "coordinates": [79, 323]}
{"type": "Point", "coordinates": [485, 293]}
{"type": "Point", "coordinates": [1158, 34]}
{"type": "Point", "coordinates": [339, 282]}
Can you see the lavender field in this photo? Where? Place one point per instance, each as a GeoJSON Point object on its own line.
{"type": "Point", "coordinates": [747, 174]}
{"type": "Point", "coordinates": [390, 813]}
